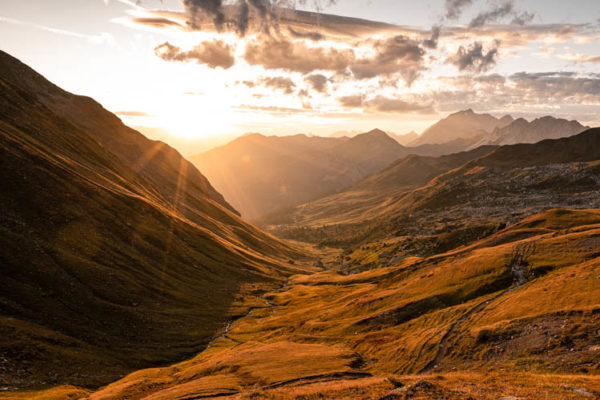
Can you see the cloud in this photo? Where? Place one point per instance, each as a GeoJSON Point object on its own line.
{"type": "Point", "coordinates": [500, 11]}
{"type": "Point", "coordinates": [353, 101]}
{"type": "Point", "coordinates": [580, 58]}
{"type": "Point", "coordinates": [399, 54]}
{"type": "Point", "coordinates": [523, 18]}
{"type": "Point", "coordinates": [493, 15]}
{"type": "Point", "coordinates": [241, 15]}
{"type": "Point", "coordinates": [385, 104]}
{"type": "Point", "coordinates": [214, 8]}
{"type": "Point", "coordinates": [553, 85]}
{"type": "Point", "coordinates": [318, 82]}
{"type": "Point", "coordinates": [532, 93]}
{"type": "Point", "coordinates": [214, 54]}
{"type": "Point", "coordinates": [454, 8]}
{"type": "Point", "coordinates": [474, 58]}
{"type": "Point", "coordinates": [276, 82]}
{"type": "Point", "coordinates": [396, 105]}
{"type": "Point", "coordinates": [315, 36]}
{"type": "Point", "coordinates": [156, 22]}
{"type": "Point", "coordinates": [432, 42]}
{"type": "Point", "coordinates": [296, 56]}
{"type": "Point", "coordinates": [279, 82]}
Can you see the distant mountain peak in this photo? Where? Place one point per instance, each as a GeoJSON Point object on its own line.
{"type": "Point", "coordinates": [375, 131]}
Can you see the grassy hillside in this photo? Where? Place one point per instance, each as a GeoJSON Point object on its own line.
{"type": "Point", "coordinates": [117, 254]}
{"type": "Point", "coordinates": [515, 314]}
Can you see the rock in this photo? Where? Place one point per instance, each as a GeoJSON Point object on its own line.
{"type": "Point", "coordinates": [318, 264]}
{"type": "Point", "coordinates": [384, 254]}
{"type": "Point", "coordinates": [397, 259]}
{"type": "Point", "coordinates": [580, 391]}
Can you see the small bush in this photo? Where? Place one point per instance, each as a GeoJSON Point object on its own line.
{"type": "Point", "coordinates": [484, 336]}
{"type": "Point", "coordinates": [396, 382]}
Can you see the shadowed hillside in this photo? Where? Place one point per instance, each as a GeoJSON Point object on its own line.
{"type": "Point", "coordinates": [505, 185]}
{"type": "Point", "coordinates": [259, 174]}
{"type": "Point", "coordinates": [117, 253]}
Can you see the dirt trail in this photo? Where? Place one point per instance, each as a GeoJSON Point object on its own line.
{"type": "Point", "coordinates": [520, 272]}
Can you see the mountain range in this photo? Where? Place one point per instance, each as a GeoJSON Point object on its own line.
{"type": "Point", "coordinates": [261, 174]}
{"type": "Point", "coordinates": [470, 191]}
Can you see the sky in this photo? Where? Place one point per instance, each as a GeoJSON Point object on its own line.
{"type": "Point", "coordinates": [188, 71]}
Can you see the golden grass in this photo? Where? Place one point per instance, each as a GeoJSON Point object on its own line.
{"type": "Point", "coordinates": [307, 337]}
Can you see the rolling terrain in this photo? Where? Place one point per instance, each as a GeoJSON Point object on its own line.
{"type": "Point", "coordinates": [117, 254]}
{"type": "Point", "coordinates": [514, 314]}
{"type": "Point", "coordinates": [473, 199]}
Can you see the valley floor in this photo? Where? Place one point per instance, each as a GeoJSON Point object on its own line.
{"type": "Point", "coordinates": [514, 316]}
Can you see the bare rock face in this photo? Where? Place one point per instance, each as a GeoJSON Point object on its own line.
{"type": "Point", "coordinates": [522, 131]}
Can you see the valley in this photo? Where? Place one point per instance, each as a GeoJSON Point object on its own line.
{"type": "Point", "coordinates": [462, 264]}
{"type": "Point", "coordinates": [452, 325]}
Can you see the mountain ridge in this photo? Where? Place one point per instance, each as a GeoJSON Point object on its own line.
{"type": "Point", "coordinates": [117, 253]}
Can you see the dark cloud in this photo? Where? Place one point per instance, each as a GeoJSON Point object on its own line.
{"type": "Point", "coordinates": [214, 54]}
{"type": "Point", "coordinates": [493, 15]}
{"type": "Point", "coordinates": [432, 42]}
{"type": "Point", "coordinates": [454, 8]}
{"type": "Point", "coordinates": [157, 22]}
{"type": "Point", "coordinates": [500, 11]}
{"type": "Point", "coordinates": [240, 15]}
{"type": "Point", "coordinates": [296, 56]}
{"type": "Point", "coordinates": [243, 18]}
{"type": "Point", "coordinates": [314, 36]}
{"type": "Point", "coordinates": [399, 54]}
{"type": "Point", "coordinates": [318, 82]}
{"type": "Point", "coordinates": [474, 58]}
{"type": "Point", "coordinates": [214, 8]}
{"type": "Point", "coordinates": [279, 82]}
{"type": "Point", "coordinates": [523, 18]}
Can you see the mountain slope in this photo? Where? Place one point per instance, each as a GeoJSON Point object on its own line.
{"type": "Point", "coordinates": [259, 174]}
{"type": "Point", "coordinates": [370, 197]}
{"type": "Point", "coordinates": [116, 252]}
{"type": "Point", "coordinates": [522, 131]}
{"type": "Point", "coordinates": [461, 125]}
{"type": "Point", "coordinates": [507, 184]}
